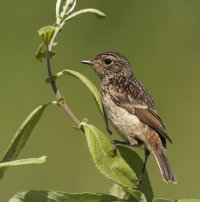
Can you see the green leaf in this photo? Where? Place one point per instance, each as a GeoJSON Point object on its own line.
{"type": "Point", "coordinates": [109, 162]}
{"type": "Point", "coordinates": [111, 165]}
{"type": "Point", "coordinates": [90, 85]}
{"type": "Point", "coordinates": [94, 11]}
{"type": "Point", "coordinates": [136, 163]}
{"type": "Point", "coordinates": [119, 192]}
{"type": "Point", "coordinates": [24, 162]}
{"type": "Point", "coordinates": [21, 136]}
{"type": "Point", "coordinates": [41, 52]}
{"type": "Point", "coordinates": [95, 92]}
{"type": "Point", "coordinates": [46, 33]}
{"type": "Point", "coordinates": [56, 196]}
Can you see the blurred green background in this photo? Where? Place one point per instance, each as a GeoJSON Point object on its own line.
{"type": "Point", "coordinates": [162, 41]}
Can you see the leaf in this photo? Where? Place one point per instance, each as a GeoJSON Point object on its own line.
{"type": "Point", "coordinates": [22, 135]}
{"type": "Point", "coordinates": [46, 32]}
{"type": "Point", "coordinates": [90, 85]}
{"type": "Point", "coordinates": [95, 92]}
{"type": "Point", "coordinates": [41, 52]}
{"type": "Point", "coordinates": [112, 166]}
{"type": "Point", "coordinates": [24, 162]}
{"type": "Point", "coordinates": [136, 163]}
{"type": "Point", "coordinates": [110, 163]}
{"type": "Point", "coordinates": [57, 196]}
{"type": "Point", "coordinates": [119, 192]}
{"type": "Point", "coordinates": [94, 11]}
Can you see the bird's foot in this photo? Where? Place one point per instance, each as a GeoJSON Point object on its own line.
{"type": "Point", "coordinates": [113, 152]}
{"type": "Point", "coordinates": [138, 183]}
{"type": "Point", "coordinates": [118, 142]}
{"type": "Point", "coordinates": [114, 143]}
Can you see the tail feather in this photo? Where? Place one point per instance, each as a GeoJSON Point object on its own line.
{"type": "Point", "coordinates": [163, 163]}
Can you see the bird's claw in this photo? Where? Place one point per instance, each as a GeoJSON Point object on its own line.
{"type": "Point", "coordinates": [113, 152]}
{"type": "Point", "coordinates": [138, 183]}
{"type": "Point", "coordinates": [114, 143]}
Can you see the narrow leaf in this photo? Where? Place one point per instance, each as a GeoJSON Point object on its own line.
{"type": "Point", "coordinates": [21, 136]}
{"type": "Point", "coordinates": [94, 11]}
{"type": "Point", "coordinates": [90, 85]}
{"type": "Point", "coordinates": [56, 196]}
{"type": "Point", "coordinates": [109, 162]}
{"type": "Point", "coordinates": [24, 162]}
{"type": "Point", "coordinates": [95, 92]}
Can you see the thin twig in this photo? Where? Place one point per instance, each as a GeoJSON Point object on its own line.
{"type": "Point", "coordinates": [57, 93]}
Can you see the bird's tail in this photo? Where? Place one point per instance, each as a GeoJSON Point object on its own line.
{"type": "Point", "coordinates": [163, 163]}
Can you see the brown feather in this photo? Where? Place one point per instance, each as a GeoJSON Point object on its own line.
{"type": "Point", "coordinates": [143, 112]}
{"type": "Point", "coordinates": [153, 120]}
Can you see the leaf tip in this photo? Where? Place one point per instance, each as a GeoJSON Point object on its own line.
{"type": "Point", "coordinates": [42, 159]}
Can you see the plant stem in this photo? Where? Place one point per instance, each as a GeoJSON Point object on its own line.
{"type": "Point", "coordinates": [57, 93]}
{"type": "Point", "coordinates": [54, 36]}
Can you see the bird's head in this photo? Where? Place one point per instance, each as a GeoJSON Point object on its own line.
{"type": "Point", "coordinates": [110, 64]}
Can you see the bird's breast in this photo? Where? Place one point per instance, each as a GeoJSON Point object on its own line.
{"type": "Point", "coordinates": [125, 122]}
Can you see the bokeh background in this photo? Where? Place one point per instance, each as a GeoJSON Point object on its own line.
{"type": "Point", "coordinates": [162, 41]}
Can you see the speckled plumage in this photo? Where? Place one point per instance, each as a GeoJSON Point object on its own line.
{"type": "Point", "coordinates": [130, 109]}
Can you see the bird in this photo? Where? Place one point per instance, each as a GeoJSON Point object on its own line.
{"type": "Point", "coordinates": [132, 112]}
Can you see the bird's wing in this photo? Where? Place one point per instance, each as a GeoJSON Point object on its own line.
{"type": "Point", "coordinates": [143, 112]}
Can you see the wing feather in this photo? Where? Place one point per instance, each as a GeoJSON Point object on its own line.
{"type": "Point", "coordinates": [143, 112]}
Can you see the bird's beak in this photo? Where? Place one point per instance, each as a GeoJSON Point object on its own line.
{"type": "Point", "coordinates": [87, 62]}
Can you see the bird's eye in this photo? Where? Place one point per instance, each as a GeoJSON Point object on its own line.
{"type": "Point", "coordinates": [108, 61]}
